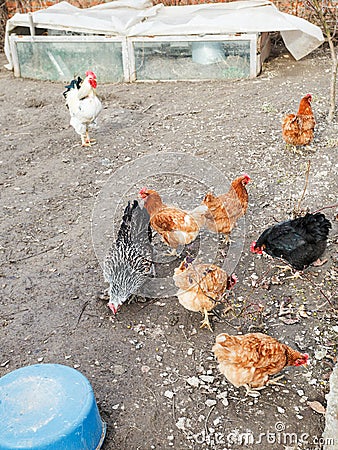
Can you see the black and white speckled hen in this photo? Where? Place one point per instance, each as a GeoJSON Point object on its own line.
{"type": "Point", "coordinates": [300, 241]}
{"type": "Point", "coordinates": [129, 260]}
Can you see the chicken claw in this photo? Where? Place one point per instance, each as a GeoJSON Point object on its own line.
{"type": "Point", "coordinates": [319, 262]}
{"type": "Point", "coordinates": [205, 322]}
{"type": "Point", "coordinates": [295, 274]}
{"type": "Point", "coordinates": [274, 381]}
{"type": "Point", "coordinates": [252, 392]}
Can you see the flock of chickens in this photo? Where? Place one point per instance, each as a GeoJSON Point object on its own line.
{"type": "Point", "coordinates": [245, 360]}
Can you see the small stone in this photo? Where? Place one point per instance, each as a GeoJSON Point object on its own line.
{"type": "Point", "coordinates": [116, 406]}
{"type": "Point", "coordinates": [299, 416]}
{"type": "Point", "coordinates": [40, 359]}
{"type": "Point", "coordinates": [76, 366]}
{"type": "Point", "coordinates": [280, 410]}
{"type": "Point", "coordinates": [210, 403]}
{"type": "Point", "coordinates": [145, 369]}
{"type": "Point", "coordinates": [118, 369]}
{"type": "Point", "coordinates": [193, 381]}
{"type": "Point", "coordinates": [190, 351]}
{"type": "Point", "coordinates": [225, 402]}
{"type": "Point", "coordinates": [127, 158]}
{"type": "Point", "coordinates": [300, 392]}
{"type": "Point", "coordinates": [320, 353]}
{"type": "Point", "coordinates": [335, 328]}
{"type": "Point", "coordinates": [216, 421]}
{"type": "Point", "coordinates": [181, 423]}
{"type": "Point", "coordinates": [169, 394]}
{"type": "Point", "coordinates": [207, 378]}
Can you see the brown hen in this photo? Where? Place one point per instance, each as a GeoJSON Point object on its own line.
{"type": "Point", "coordinates": [176, 227]}
{"type": "Point", "coordinates": [226, 209]}
{"type": "Point", "coordinates": [201, 286]}
{"type": "Point", "coordinates": [250, 359]}
{"type": "Point", "coordinates": [298, 128]}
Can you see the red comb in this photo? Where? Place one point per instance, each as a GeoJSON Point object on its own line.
{"type": "Point", "coordinates": [91, 74]}
{"type": "Point", "coordinates": [234, 277]}
{"type": "Point", "coordinates": [252, 247]}
{"type": "Point", "coordinates": [247, 177]}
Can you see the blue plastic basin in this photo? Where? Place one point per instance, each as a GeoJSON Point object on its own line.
{"type": "Point", "coordinates": [49, 407]}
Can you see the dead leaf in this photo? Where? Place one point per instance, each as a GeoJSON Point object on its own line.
{"type": "Point", "coordinates": [288, 321]}
{"type": "Point", "coordinates": [316, 406]}
{"type": "Point", "coordinates": [301, 311]}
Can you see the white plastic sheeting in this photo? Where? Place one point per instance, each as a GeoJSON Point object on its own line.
{"type": "Point", "coordinates": [140, 18]}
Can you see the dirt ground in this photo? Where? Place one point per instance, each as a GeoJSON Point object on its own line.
{"type": "Point", "coordinates": [154, 376]}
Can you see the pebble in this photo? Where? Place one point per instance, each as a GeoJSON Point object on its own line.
{"type": "Point", "coordinates": [181, 423]}
{"type": "Point", "coordinates": [116, 406]}
{"type": "Point", "coordinates": [320, 354]}
{"type": "Point", "coordinates": [300, 392]}
{"type": "Point", "coordinates": [280, 409]}
{"type": "Point", "coordinates": [118, 369]}
{"type": "Point", "coordinates": [222, 394]}
{"type": "Point", "coordinates": [207, 378]}
{"type": "Point", "coordinates": [190, 351]}
{"type": "Point", "coordinates": [40, 359]}
{"type": "Point", "coordinates": [169, 394]}
{"type": "Point", "coordinates": [193, 381]}
{"type": "Point", "coordinates": [210, 403]}
{"type": "Point", "coordinates": [145, 369]}
{"type": "Point", "coordinates": [225, 402]}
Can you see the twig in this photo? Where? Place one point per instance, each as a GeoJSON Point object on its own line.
{"type": "Point", "coordinates": [320, 290]}
{"type": "Point", "coordinates": [307, 174]}
{"type": "Point", "coordinates": [206, 420]}
{"type": "Point", "coordinates": [325, 207]}
{"type": "Point", "coordinates": [148, 107]}
{"type": "Point", "coordinates": [8, 316]}
{"type": "Point", "coordinates": [173, 408]}
{"type": "Point", "coordinates": [14, 261]}
{"type": "Point", "coordinates": [81, 313]}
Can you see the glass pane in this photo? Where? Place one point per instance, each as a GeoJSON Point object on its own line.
{"type": "Point", "coordinates": [60, 61]}
{"type": "Point", "coordinates": [192, 60]}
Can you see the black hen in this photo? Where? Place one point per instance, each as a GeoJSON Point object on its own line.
{"type": "Point", "coordinates": [299, 241]}
{"type": "Point", "coordinates": [129, 260]}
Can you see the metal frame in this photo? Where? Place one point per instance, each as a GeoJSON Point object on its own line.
{"type": "Point", "coordinates": [128, 55]}
{"type": "Point", "coordinates": [252, 37]}
{"type": "Point", "coordinates": [13, 39]}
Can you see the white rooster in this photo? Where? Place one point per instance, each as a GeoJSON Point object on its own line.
{"type": "Point", "coordinates": [84, 105]}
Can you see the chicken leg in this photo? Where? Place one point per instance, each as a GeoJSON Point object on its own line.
{"type": "Point", "coordinates": [205, 322]}
{"type": "Point", "coordinates": [86, 141]}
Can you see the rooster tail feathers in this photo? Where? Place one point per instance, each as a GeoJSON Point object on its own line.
{"type": "Point", "coordinates": [135, 225]}
{"type": "Point", "coordinates": [74, 84]}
